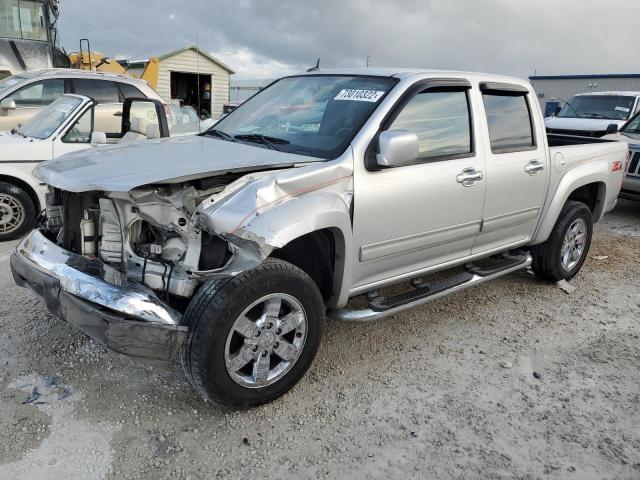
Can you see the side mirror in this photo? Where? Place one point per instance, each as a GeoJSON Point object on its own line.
{"type": "Point", "coordinates": [397, 148]}
{"type": "Point", "coordinates": [98, 138]}
{"type": "Point", "coordinates": [7, 104]}
{"type": "Point", "coordinates": [612, 128]}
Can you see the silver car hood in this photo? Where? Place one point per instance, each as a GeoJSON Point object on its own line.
{"type": "Point", "coordinates": [120, 168]}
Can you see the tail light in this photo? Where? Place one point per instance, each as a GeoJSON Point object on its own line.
{"type": "Point", "coordinates": [617, 165]}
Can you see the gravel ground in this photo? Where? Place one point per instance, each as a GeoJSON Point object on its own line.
{"type": "Point", "coordinates": [513, 379]}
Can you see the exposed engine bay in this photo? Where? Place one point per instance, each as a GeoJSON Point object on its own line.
{"type": "Point", "coordinates": [151, 234]}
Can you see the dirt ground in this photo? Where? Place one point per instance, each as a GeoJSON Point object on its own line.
{"type": "Point", "coordinates": [513, 379]}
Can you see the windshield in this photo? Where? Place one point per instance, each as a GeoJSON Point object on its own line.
{"type": "Point", "coordinates": [315, 115]}
{"type": "Point", "coordinates": [23, 19]}
{"type": "Point", "coordinates": [7, 83]}
{"type": "Point", "coordinates": [611, 107]}
{"type": "Point", "coordinates": [46, 122]}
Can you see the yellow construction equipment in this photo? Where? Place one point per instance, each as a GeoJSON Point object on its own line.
{"type": "Point", "coordinates": [85, 59]}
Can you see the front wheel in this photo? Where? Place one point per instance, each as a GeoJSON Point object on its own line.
{"type": "Point", "coordinates": [566, 249]}
{"type": "Point", "coordinates": [17, 211]}
{"type": "Point", "coordinates": [253, 336]}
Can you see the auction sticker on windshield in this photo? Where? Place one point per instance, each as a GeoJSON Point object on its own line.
{"type": "Point", "coordinates": [359, 95]}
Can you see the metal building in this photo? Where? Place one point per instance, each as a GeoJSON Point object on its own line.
{"type": "Point", "coordinates": [191, 76]}
{"type": "Point", "coordinates": [553, 89]}
{"type": "Point", "coordinates": [241, 89]}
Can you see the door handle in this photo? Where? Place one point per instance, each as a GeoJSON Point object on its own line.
{"type": "Point", "coordinates": [469, 177]}
{"type": "Point", "coordinates": [533, 167]}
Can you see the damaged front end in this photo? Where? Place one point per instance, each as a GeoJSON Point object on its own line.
{"type": "Point", "coordinates": [122, 266]}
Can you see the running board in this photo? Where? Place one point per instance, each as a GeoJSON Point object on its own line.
{"type": "Point", "coordinates": [474, 274]}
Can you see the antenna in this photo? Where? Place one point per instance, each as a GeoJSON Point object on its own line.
{"type": "Point", "coordinates": [317, 67]}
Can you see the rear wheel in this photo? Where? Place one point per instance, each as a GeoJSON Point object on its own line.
{"type": "Point", "coordinates": [17, 211]}
{"type": "Point", "coordinates": [562, 255]}
{"type": "Point", "coordinates": [253, 336]}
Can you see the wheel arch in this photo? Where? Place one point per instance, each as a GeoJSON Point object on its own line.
{"type": "Point", "coordinates": [587, 185]}
{"type": "Point", "coordinates": [28, 188]}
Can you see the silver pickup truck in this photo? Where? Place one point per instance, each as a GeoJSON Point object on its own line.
{"type": "Point", "coordinates": [225, 251]}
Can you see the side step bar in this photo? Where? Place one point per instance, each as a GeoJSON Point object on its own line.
{"type": "Point", "coordinates": [474, 274]}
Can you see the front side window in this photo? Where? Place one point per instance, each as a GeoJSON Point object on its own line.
{"type": "Point", "coordinates": [610, 107]}
{"type": "Point", "coordinates": [315, 115]}
{"type": "Point", "coordinates": [633, 127]}
{"type": "Point", "coordinates": [9, 82]}
{"type": "Point", "coordinates": [509, 121]}
{"type": "Point", "coordinates": [102, 91]}
{"type": "Point", "coordinates": [47, 121]}
{"type": "Point", "coordinates": [38, 94]}
{"type": "Point", "coordinates": [81, 130]}
{"type": "Point", "coordinates": [441, 121]}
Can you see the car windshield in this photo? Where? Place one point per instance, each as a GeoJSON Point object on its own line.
{"type": "Point", "coordinates": [7, 83]}
{"type": "Point", "coordinates": [610, 107]}
{"type": "Point", "coordinates": [47, 121]}
{"type": "Point", "coordinates": [315, 115]}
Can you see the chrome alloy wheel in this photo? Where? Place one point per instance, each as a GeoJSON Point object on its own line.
{"type": "Point", "coordinates": [11, 213]}
{"type": "Point", "coordinates": [266, 340]}
{"type": "Point", "coordinates": [573, 244]}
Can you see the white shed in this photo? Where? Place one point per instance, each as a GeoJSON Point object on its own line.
{"type": "Point", "coordinates": [195, 78]}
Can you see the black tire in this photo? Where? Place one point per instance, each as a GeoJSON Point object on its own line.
{"type": "Point", "coordinates": [211, 314]}
{"type": "Point", "coordinates": [16, 196]}
{"type": "Point", "coordinates": [547, 264]}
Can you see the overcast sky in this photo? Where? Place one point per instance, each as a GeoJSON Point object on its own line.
{"type": "Point", "coordinates": [269, 38]}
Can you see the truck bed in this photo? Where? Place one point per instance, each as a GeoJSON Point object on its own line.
{"type": "Point", "coordinates": [559, 140]}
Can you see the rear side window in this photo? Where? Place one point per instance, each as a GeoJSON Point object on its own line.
{"type": "Point", "coordinates": [102, 91]}
{"type": "Point", "coordinates": [441, 121]}
{"type": "Point", "coordinates": [509, 120]}
{"type": "Point", "coordinates": [39, 94]}
{"type": "Point", "coordinates": [129, 91]}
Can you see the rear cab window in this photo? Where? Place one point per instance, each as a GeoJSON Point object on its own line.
{"type": "Point", "coordinates": [509, 118]}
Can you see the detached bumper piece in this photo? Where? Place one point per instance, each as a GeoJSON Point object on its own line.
{"type": "Point", "coordinates": [124, 316]}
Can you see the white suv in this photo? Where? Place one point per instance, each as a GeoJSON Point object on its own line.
{"type": "Point", "coordinates": [24, 95]}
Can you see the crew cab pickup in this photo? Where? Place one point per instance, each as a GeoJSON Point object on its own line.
{"type": "Point", "coordinates": [225, 251]}
{"type": "Point", "coordinates": [630, 133]}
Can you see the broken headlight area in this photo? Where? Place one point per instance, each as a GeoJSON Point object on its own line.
{"type": "Point", "coordinates": [151, 236]}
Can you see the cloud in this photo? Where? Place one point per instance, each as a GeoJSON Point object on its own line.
{"type": "Point", "coordinates": [273, 37]}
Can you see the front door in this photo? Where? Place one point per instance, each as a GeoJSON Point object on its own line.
{"type": "Point", "coordinates": [413, 217]}
{"type": "Point", "coordinates": [517, 167]}
{"type": "Point", "coordinates": [30, 100]}
{"type": "Point", "coordinates": [77, 136]}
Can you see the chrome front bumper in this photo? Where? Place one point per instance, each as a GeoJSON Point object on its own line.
{"type": "Point", "coordinates": [124, 316]}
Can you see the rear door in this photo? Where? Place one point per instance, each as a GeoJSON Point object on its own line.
{"type": "Point", "coordinates": [108, 109]}
{"type": "Point", "coordinates": [412, 217]}
{"type": "Point", "coordinates": [517, 166]}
